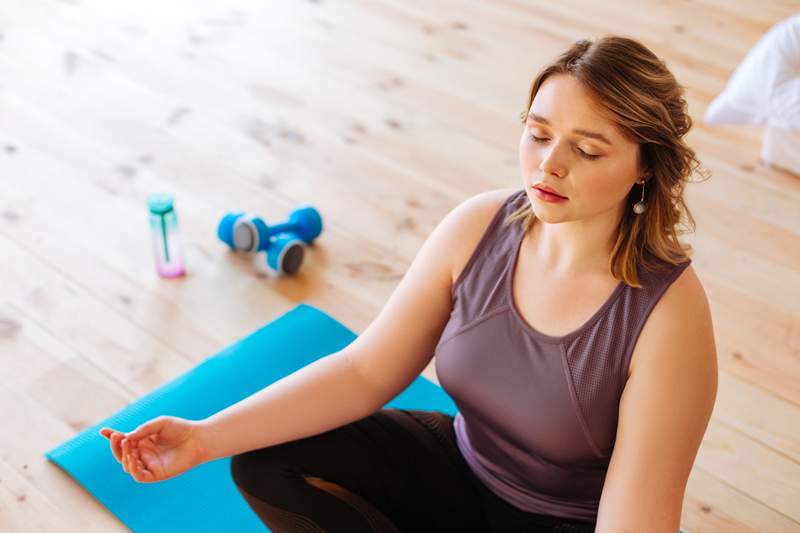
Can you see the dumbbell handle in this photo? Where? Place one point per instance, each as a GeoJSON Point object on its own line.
{"type": "Point", "coordinates": [304, 222]}
{"type": "Point", "coordinates": [284, 227]}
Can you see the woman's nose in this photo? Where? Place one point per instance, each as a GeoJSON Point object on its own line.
{"type": "Point", "coordinates": [551, 161]}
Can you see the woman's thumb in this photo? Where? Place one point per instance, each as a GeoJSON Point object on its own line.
{"type": "Point", "coordinates": [148, 428]}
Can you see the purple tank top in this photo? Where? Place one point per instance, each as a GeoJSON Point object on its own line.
{"type": "Point", "coordinates": [537, 413]}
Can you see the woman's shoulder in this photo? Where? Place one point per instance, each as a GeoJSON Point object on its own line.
{"type": "Point", "coordinates": [495, 196]}
{"type": "Point", "coordinates": [486, 204]}
{"type": "Point", "coordinates": [684, 304]}
{"type": "Point", "coordinates": [480, 209]}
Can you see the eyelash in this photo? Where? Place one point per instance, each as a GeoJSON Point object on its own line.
{"type": "Point", "coordinates": [534, 138]}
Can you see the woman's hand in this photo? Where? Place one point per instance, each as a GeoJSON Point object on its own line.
{"type": "Point", "coordinates": [159, 449]}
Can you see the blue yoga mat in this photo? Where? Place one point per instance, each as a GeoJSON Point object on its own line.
{"type": "Point", "coordinates": [205, 498]}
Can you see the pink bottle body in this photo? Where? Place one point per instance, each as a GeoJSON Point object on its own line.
{"type": "Point", "coordinates": [167, 245]}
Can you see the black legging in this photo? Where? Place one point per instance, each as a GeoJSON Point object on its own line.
{"type": "Point", "coordinates": [396, 470]}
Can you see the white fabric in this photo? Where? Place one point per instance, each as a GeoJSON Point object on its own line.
{"type": "Point", "coordinates": [765, 87]}
{"type": "Point", "coordinates": [780, 149]}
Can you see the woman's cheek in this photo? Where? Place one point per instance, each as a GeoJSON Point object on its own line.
{"type": "Point", "coordinates": [602, 188]}
{"type": "Point", "coordinates": [527, 156]}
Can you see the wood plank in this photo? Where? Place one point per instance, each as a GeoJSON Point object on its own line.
{"type": "Point", "coordinates": [712, 506]}
{"type": "Point", "coordinates": [111, 342]}
{"type": "Point", "coordinates": [24, 508]}
{"type": "Point", "coordinates": [768, 476]}
{"type": "Point", "coordinates": [760, 414]}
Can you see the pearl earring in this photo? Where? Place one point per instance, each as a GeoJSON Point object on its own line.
{"type": "Point", "coordinates": [640, 207]}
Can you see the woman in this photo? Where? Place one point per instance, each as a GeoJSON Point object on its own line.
{"type": "Point", "coordinates": [569, 328]}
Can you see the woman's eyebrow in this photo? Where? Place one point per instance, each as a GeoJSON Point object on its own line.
{"type": "Point", "coordinates": [594, 135]}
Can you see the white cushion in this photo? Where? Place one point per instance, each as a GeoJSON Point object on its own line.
{"type": "Point", "coordinates": [765, 87]}
{"type": "Point", "coordinates": [779, 149]}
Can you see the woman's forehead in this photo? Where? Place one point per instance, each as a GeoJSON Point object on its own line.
{"type": "Point", "coordinates": [564, 104]}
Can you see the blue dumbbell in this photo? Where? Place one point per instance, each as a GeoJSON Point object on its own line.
{"type": "Point", "coordinates": [278, 249]}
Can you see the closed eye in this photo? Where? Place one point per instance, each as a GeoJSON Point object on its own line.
{"type": "Point", "coordinates": [542, 140]}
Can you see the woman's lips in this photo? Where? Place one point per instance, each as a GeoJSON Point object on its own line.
{"type": "Point", "coordinates": [548, 197]}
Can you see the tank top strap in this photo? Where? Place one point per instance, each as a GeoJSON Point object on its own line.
{"type": "Point", "coordinates": [634, 307]}
{"type": "Point", "coordinates": [479, 287]}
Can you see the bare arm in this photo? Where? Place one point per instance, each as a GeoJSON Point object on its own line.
{"type": "Point", "coordinates": [663, 414]}
{"type": "Point", "coordinates": [319, 397]}
{"type": "Point", "coordinates": [379, 364]}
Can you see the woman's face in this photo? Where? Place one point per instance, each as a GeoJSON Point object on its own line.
{"type": "Point", "coordinates": [594, 175]}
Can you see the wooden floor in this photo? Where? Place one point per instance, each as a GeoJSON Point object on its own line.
{"type": "Point", "coordinates": [383, 114]}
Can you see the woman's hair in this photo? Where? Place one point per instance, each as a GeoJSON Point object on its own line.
{"type": "Point", "coordinates": [641, 96]}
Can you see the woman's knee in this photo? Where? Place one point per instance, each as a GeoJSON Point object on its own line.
{"type": "Point", "coordinates": [254, 471]}
{"type": "Point", "coordinates": [239, 469]}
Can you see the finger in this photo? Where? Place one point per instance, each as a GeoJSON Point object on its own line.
{"type": "Point", "coordinates": [151, 427]}
{"type": "Point", "coordinates": [115, 448]}
{"type": "Point", "coordinates": [149, 465]}
{"type": "Point", "coordinates": [121, 449]}
{"type": "Point", "coordinates": [107, 432]}
{"type": "Point", "coordinates": [118, 446]}
{"type": "Point", "coordinates": [140, 463]}
{"type": "Point", "coordinates": [148, 457]}
{"type": "Point", "coordinates": [147, 473]}
{"type": "Point", "coordinates": [134, 466]}
{"type": "Point", "coordinates": [125, 456]}
{"type": "Point", "coordinates": [142, 472]}
{"type": "Point", "coordinates": [128, 455]}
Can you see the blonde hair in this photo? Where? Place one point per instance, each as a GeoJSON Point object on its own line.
{"type": "Point", "coordinates": [642, 97]}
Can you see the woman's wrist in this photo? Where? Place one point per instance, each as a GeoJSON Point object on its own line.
{"type": "Point", "coordinates": [206, 441]}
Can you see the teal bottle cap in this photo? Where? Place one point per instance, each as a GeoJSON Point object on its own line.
{"type": "Point", "coordinates": [160, 203]}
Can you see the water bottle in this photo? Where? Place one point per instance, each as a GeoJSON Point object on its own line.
{"type": "Point", "coordinates": [167, 248]}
